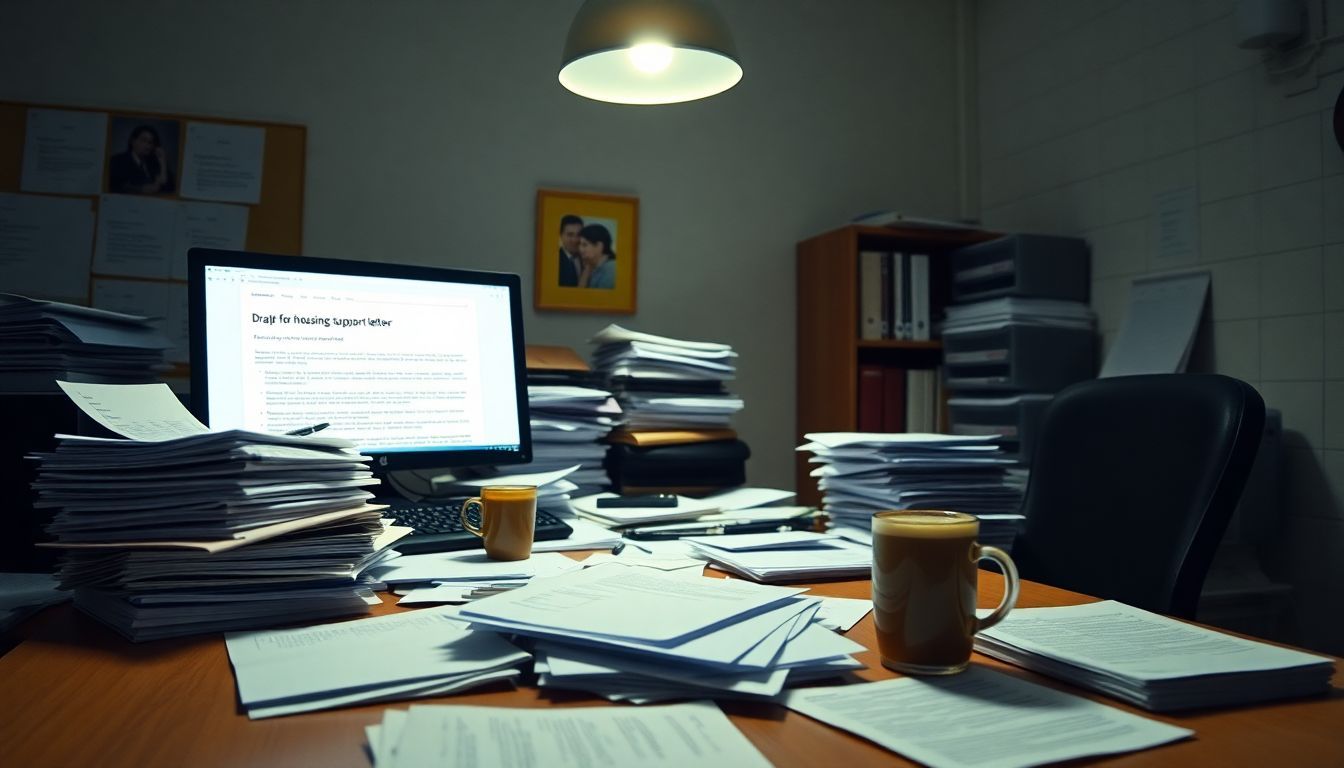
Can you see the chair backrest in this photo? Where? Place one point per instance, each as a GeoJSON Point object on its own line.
{"type": "Point", "coordinates": [1132, 483]}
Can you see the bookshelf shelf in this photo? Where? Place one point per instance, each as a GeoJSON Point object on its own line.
{"type": "Point", "coordinates": [830, 351]}
{"type": "Point", "coordinates": [895, 344]}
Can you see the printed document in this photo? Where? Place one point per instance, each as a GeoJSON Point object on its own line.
{"type": "Point", "coordinates": [693, 734]}
{"type": "Point", "coordinates": [138, 411]}
{"type": "Point", "coordinates": [980, 718]}
{"type": "Point", "coordinates": [621, 602]}
{"type": "Point", "coordinates": [63, 151]}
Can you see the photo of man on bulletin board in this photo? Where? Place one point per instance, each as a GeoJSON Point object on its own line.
{"type": "Point", "coordinates": [144, 156]}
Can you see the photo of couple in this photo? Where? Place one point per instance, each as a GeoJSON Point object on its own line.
{"type": "Point", "coordinates": [587, 251]}
{"type": "Point", "coordinates": [586, 256]}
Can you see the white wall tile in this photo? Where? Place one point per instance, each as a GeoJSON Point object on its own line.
{"type": "Point", "coordinates": [1082, 206]}
{"type": "Point", "coordinates": [1332, 191]}
{"type": "Point", "coordinates": [1332, 258]}
{"type": "Point", "coordinates": [1334, 345]}
{"type": "Point", "coordinates": [1300, 404]}
{"type": "Point", "coordinates": [1226, 107]}
{"type": "Point", "coordinates": [1227, 168]}
{"type": "Point", "coordinates": [1291, 348]}
{"type": "Point", "coordinates": [1167, 19]}
{"type": "Point", "coordinates": [1114, 35]}
{"type": "Point", "coordinates": [1124, 194]}
{"type": "Point", "coordinates": [1306, 495]}
{"type": "Point", "coordinates": [1236, 349]}
{"type": "Point", "coordinates": [1173, 172]}
{"type": "Point", "coordinates": [1080, 155]}
{"type": "Point", "coordinates": [1327, 90]}
{"type": "Point", "coordinates": [1122, 141]}
{"type": "Point", "coordinates": [1170, 124]}
{"type": "Point", "coordinates": [1332, 156]}
{"type": "Point", "coordinates": [1227, 228]}
{"type": "Point", "coordinates": [1289, 152]}
{"type": "Point", "coordinates": [1289, 217]}
{"type": "Point", "coordinates": [1122, 85]}
{"type": "Point", "coordinates": [1119, 249]}
{"type": "Point", "coordinates": [1290, 283]}
{"type": "Point", "coordinates": [1235, 289]}
{"type": "Point", "coordinates": [1333, 429]}
{"type": "Point", "coordinates": [1169, 68]}
{"type": "Point", "coordinates": [1109, 296]}
{"type": "Point", "coordinates": [1075, 105]}
{"type": "Point", "coordinates": [1276, 104]}
{"type": "Point", "coordinates": [1216, 52]}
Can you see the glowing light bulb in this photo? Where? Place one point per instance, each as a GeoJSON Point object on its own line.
{"type": "Point", "coordinates": [651, 58]}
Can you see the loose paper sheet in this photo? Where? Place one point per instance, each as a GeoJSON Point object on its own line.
{"type": "Point", "coordinates": [45, 244]}
{"type": "Point", "coordinates": [137, 411]}
{"type": "Point", "coordinates": [164, 303]}
{"type": "Point", "coordinates": [135, 236]}
{"type": "Point", "coordinates": [223, 162]}
{"type": "Point", "coordinates": [1159, 326]}
{"type": "Point", "coordinates": [693, 734]}
{"type": "Point", "coordinates": [63, 152]}
{"type": "Point", "coordinates": [980, 719]}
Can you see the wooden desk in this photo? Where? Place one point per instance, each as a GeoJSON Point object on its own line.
{"type": "Point", "coordinates": [75, 693]}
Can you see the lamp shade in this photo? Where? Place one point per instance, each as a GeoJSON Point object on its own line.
{"type": "Point", "coordinates": [649, 52]}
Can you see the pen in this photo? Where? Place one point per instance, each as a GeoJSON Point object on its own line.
{"type": "Point", "coordinates": [308, 430]}
{"type": "Point", "coordinates": [710, 530]}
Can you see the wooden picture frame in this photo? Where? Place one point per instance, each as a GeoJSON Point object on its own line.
{"type": "Point", "coordinates": [600, 275]}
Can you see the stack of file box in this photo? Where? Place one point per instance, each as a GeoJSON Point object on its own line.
{"type": "Point", "coordinates": [211, 531]}
{"type": "Point", "coordinates": [1019, 330]}
{"type": "Point", "coordinates": [677, 413]}
{"type": "Point", "coordinates": [42, 341]}
{"type": "Point", "coordinates": [862, 473]}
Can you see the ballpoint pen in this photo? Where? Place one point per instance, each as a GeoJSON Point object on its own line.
{"type": "Point", "coordinates": [308, 430]}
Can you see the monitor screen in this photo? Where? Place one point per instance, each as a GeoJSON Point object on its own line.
{"type": "Point", "coordinates": [418, 366]}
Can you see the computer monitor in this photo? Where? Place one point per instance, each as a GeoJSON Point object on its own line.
{"type": "Point", "coordinates": [418, 366]}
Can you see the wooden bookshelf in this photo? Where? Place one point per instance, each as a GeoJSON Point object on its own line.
{"type": "Point", "coordinates": [829, 348]}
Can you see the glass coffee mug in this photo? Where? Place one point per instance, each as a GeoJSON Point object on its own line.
{"type": "Point", "coordinates": [924, 589]}
{"type": "Point", "coordinates": [508, 515]}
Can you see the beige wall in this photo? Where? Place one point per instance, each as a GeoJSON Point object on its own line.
{"type": "Point", "coordinates": [431, 125]}
{"type": "Point", "coordinates": [1089, 109]}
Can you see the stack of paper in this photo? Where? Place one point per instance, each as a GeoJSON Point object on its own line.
{"type": "Point", "coordinates": [996, 313]}
{"type": "Point", "coordinates": [861, 473]}
{"type": "Point", "coordinates": [567, 424]}
{"type": "Point", "coordinates": [666, 383]}
{"type": "Point", "coordinates": [401, 656]}
{"type": "Point", "coordinates": [786, 556]}
{"type": "Point", "coordinates": [640, 635]}
{"type": "Point", "coordinates": [42, 341]}
{"type": "Point", "coordinates": [690, 734]}
{"type": "Point", "coordinates": [180, 530]}
{"type": "Point", "coordinates": [1149, 660]}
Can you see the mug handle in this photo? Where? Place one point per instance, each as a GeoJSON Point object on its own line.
{"type": "Point", "coordinates": [466, 521]}
{"type": "Point", "coordinates": [1009, 586]}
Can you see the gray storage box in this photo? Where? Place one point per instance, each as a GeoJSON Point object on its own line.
{"type": "Point", "coordinates": [1041, 266]}
{"type": "Point", "coordinates": [1016, 357]}
{"type": "Point", "coordinates": [1014, 417]}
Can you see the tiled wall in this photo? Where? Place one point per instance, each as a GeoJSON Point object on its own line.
{"type": "Point", "coordinates": [1087, 109]}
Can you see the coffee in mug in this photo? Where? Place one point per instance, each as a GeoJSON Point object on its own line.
{"type": "Point", "coordinates": [508, 515]}
{"type": "Point", "coordinates": [924, 589]}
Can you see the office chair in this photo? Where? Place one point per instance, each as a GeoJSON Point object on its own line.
{"type": "Point", "coordinates": [1132, 483]}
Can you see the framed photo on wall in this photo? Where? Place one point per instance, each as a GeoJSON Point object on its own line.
{"type": "Point", "coordinates": [587, 250]}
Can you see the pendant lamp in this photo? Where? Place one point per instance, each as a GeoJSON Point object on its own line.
{"type": "Point", "coordinates": [649, 52]}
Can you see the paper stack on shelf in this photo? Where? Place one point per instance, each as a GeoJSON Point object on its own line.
{"type": "Point", "coordinates": [42, 341]}
{"type": "Point", "coordinates": [635, 634]}
{"type": "Point", "coordinates": [996, 313]}
{"type": "Point", "coordinates": [1149, 660]}
{"type": "Point", "coordinates": [861, 473]}
{"type": "Point", "coordinates": [677, 411]}
{"type": "Point", "coordinates": [180, 530]}
{"type": "Point", "coordinates": [284, 672]}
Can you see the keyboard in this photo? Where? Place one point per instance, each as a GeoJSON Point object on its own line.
{"type": "Point", "coordinates": [438, 527]}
